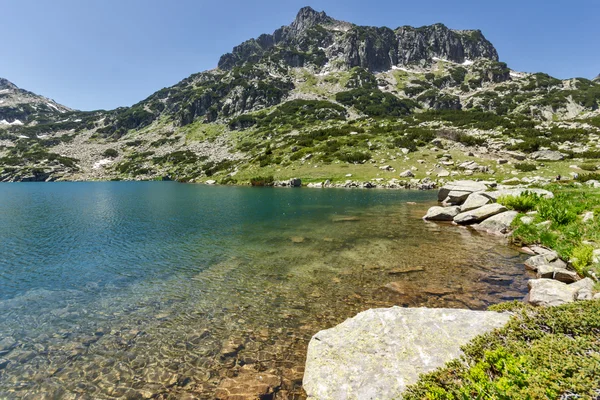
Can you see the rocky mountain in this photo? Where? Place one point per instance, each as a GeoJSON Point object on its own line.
{"type": "Point", "coordinates": [597, 78]}
{"type": "Point", "coordinates": [19, 107]}
{"type": "Point", "coordinates": [316, 92]}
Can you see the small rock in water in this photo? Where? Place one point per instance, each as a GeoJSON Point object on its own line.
{"type": "Point", "coordinates": [400, 271]}
{"type": "Point", "coordinates": [345, 219]}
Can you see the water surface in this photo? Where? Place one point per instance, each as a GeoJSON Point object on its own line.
{"type": "Point", "coordinates": [133, 290]}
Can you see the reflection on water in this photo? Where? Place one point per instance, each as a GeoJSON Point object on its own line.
{"type": "Point", "coordinates": [134, 290]}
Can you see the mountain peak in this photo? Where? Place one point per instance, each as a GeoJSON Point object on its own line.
{"type": "Point", "coordinates": [307, 18]}
{"type": "Point", "coordinates": [6, 84]}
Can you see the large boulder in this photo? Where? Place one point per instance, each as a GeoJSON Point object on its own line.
{"type": "Point", "coordinates": [498, 224]}
{"type": "Point", "coordinates": [379, 352]}
{"type": "Point", "coordinates": [547, 155]}
{"type": "Point", "coordinates": [467, 187]}
{"type": "Point", "coordinates": [442, 213]}
{"type": "Point", "coordinates": [548, 292]}
{"type": "Point", "coordinates": [295, 182]}
{"type": "Point", "coordinates": [475, 200]}
{"type": "Point", "coordinates": [479, 214]}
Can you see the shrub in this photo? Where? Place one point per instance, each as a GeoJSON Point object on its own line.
{"type": "Point", "coordinates": [583, 256]}
{"type": "Point", "coordinates": [588, 177]}
{"type": "Point", "coordinates": [354, 157]}
{"type": "Point", "coordinates": [589, 167]}
{"type": "Point", "coordinates": [525, 167]}
{"type": "Point", "coordinates": [526, 201]}
{"type": "Point", "coordinates": [110, 153]}
{"type": "Point", "coordinates": [554, 211]}
{"type": "Point", "coordinates": [262, 180]}
{"type": "Point", "coordinates": [541, 353]}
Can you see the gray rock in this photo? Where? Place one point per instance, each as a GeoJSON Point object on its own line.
{"type": "Point", "coordinates": [475, 200]}
{"type": "Point", "coordinates": [516, 155]}
{"type": "Point", "coordinates": [407, 174]}
{"type": "Point", "coordinates": [527, 220]}
{"type": "Point", "coordinates": [460, 186]}
{"type": "Point", "coordinates": [552, 259]}
{"type": "Point", "coordinates": [547, 155]}
{"type": "Point", "coordinates": [295, 182]}
{"type": "Point", "coordinates": [442, 213]}
{"type": "Point", "coordinates": [545, 271]}
{"type": "Point", "coordinates": [564, 275]}
{"type": "Point", "coordinates": [584, 295]}
{"type": "Point", "coordinates": [479, 214]}
{"type": "Point", "coordinates": [584, 284]}
{"type": "Point", "coordinates": [588, 216]}
{"type": "Point", "coordinates": [500, 223]}
{"type": "Point", "coordinates": [548, 292]}
{"type": "Point", "coordinates": [376, 354]}
{"type": "Point", "coordinates": [457, 197]}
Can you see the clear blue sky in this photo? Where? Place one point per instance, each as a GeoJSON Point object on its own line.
{"type": "Point", "coordinates": [92, 54]}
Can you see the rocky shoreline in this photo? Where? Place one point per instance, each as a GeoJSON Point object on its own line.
{"type": "Point", "coordinates": [380, 352]}
{"type": "Point", "coordinates": [474, 204]}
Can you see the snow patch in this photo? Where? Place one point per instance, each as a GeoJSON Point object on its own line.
{"type": "Point", "coordinates": [467, 62]}
{"type": "Point", "coordinates": [102, 163]}
{"type": "Point", "coordinates": [516, 74]}
{"type": "Point", "coordinates": [4, 91]}
{"type": "Point", "coordinates": [23, 137]}
{"type": "Point", "coordinates": [52, 106]}
{"type": "Point", "coordinates": [15, 122]}
{"type": "Point", "coordinates": [396, 68]}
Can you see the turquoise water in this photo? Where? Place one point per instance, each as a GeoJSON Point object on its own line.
{"type": "Point", "coordinates": [131, 290]}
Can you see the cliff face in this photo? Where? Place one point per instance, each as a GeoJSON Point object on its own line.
{"type": "Point", "coordinates": [344, 45]}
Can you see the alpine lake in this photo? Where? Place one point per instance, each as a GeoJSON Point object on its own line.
{"type": "Point", "coordinates": [139, 289]}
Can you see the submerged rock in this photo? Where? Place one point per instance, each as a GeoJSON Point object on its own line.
{"type": "Point", "coordinates": [379, 352]}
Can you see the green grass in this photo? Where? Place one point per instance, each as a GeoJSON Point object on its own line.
{"type": "Point", "coordinates": [199, 132]}
{"type": "Point", "coordinates": [542, 353]}
{"type": "Point", "coordinates": [567, 232]}
{"type": "Point", "coordinates": [524, 202]}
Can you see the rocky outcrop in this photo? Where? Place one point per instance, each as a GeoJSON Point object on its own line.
{"type": "Point", "coordinates": [547, 155]}
{"type": "Point", "coordinates": [379, 352]}
{"type": "Point", "coordinates": [346, 46]}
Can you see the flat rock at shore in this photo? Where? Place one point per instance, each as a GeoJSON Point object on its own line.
{"type": "Point", "coordinates": [379, 352]}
